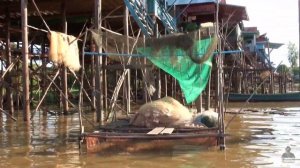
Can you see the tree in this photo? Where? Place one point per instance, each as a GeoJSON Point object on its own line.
{"type": "Point", "coordinates": [282, 68]}
{"type": "Point", "coordinates": [293, 54]}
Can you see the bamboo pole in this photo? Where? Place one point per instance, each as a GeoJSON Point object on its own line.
{"type": "Point", "coordinates": [127, 81]}
{"type": "Point", "coordinates": [1, 87]}
{"type": "Point", "coordinates": [9, 61]}
{"type": "Point", "coordinates": [93, 80]}
{"type": "Point", "coordinates": [98, 62]}
{"type": "Point", "coordinates": [207, 100]}
{"type": "Point", "coordinates": [81, 86]}
{"type": "Point", "coordinates": [8, 114]}
{"type": "Point", "coordinates": [46, 91]}
{"type": "Point", "coordinates": [39, 13]}
{"type": "Point", "coordinates": [44, 67]}
{"type": "Point", "coordinates": [157, 94]}
{"type": "Point", "coordinates": [26, 102]}
{"type": "Point", "coordinates": [299, 42]}
{"type": "Point", "coordinates": [64, 74]}
{"type": "Point", "coordinates": [220, 85]}
{"type": "Point", "coordinates": [166, 84]}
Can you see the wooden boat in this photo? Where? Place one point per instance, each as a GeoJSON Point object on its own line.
{"type": "Point", "coordinates": [139, 139]}
{"type": "Point", "coordinates": [236, 97]}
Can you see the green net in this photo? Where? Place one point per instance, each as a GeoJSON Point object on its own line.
{"type": "Point", "coordinates": [179, 61]}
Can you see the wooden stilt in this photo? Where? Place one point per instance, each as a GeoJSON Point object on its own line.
{"type": "Point", "coordinates": [10, 103]}
{"type": "Point", "coordinates": [98, 62]}
{"type": "Point", "coordinates": [166, 84]}
{"type": "Point", "coordinates": [93, 80]}
{"type": "Point", "coordinates": [198, 103]}
{"type": "Point", "coordinates": [105, 83]}
{"type": "Point", "coordinates": [64, 74]}
{"type": "Point", "coordinates": [127, 82]}
{"type": "Point", "coordinates": [135, 85]}
{"type": "Point", "coordinates": [1, 87]}
{"type": "Point", "coordinates": [220, 85]}
{"type": "Point", "coordinates": [158, 84]}
{"type": "Point", "coordinates": [18, 81]}
{"type": "Point", "coordinates": [31, 67]}
{"type": "Point", "coordinates": [44, 68]}
{"type": "Point", "coordinates": [207, 99]}
{"type": "Point", "coordinates": [145, 93]}
{"type": "Point", "coordinates": [26, 101]}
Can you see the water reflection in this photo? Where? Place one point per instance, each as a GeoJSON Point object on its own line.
{"type": "Point", "coordinates": [256, 140]}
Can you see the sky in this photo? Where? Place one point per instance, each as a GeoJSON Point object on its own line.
{"type": "Point", "coordinates": [277, 18]}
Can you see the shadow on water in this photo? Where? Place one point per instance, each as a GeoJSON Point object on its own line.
{"type": "Point", "coordinates": [255, 139]}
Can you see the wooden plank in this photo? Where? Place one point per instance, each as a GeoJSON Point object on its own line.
{"type": "Point", "coordinates": [167, 131]}
{"type": "Point", "coordinates": [156, 131]}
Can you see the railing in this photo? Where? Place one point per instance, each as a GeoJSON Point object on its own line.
{"type": "Point", "coordinates": [145, 22]}
{"type": "Point", "coordinates": [139, 13]}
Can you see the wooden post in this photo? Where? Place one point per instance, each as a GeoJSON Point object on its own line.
{"type": "Point", "coordinates": [198, 103]}
{"type": "Point", "coordinates": [158, 75]}
{"type": "Point", "coordinates": [105, 84]}
{"type": "Point", "coordinates": [10, 101]}
{"type": "Point", "coordinates": [93, 80]}
{"type": "Point", "coordinates": [135, 86]}
{"type": "Point", "coordinates": [98, 62]}
{"type": "Point", "coordinates": [299, 42]}
{"type": "Point", "coordinates": [207, 100]}
{"type": "Point", "coordinates": [166, 84]}
{"type": "Point", "coordinates": [26, 101]}
{"type": "Point", "coordinates": [31, 67]}
{"type": "Point", "coordinates": [127, 82]}
{"type": "Point", "coordinates": [220, 86]}
{"type": "Point", "coordinates": [145, 93]}
{"type": "Point", "coordinates": [44, 67]}
{"type": "Point", "coordinates": [1, 80]}
{"type": "Point", "coordinates": [63, 72]}
{"type": "Point", "coordinates": [1, 87]}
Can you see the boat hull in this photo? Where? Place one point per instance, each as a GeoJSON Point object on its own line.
{"type": "Point", "coordinates": [235, 97]}
{"type": "Point", "coordinates": [104, 142]}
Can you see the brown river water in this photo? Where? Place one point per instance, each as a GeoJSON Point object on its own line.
{"type": "Point", "coordinates": [255, 139]}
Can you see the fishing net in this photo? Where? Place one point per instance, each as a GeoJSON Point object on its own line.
{"type": "Point", "coordinates": [114, 44]}
{"type": "Point", "coordinates": [64, 50]}
{"type": "Point", "coordinates": [185, 56]}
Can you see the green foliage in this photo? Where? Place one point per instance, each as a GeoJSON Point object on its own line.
{"type": "Point", "coordinates": [282, 68]}
{"type": "Point", "coordinates": [293, 54]}
{"type": "Point", "coordinates": [295, 70]}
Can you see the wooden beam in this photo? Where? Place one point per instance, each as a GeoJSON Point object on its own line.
{"type": "Point", "coordinates": [26, 101]}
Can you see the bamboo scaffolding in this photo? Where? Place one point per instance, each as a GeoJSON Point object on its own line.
{"type": "Point", "coordinates": [46, 91]}
{"type": "Point", "coordinates": [119, 84]}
